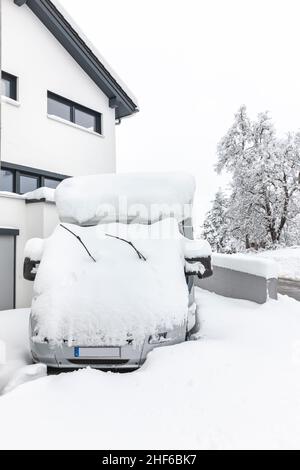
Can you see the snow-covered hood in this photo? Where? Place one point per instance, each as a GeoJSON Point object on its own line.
{"type": "Point", "coordinates": [120, 294]}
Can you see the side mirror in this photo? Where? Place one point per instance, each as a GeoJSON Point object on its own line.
{"type": "Point", "coordinates": [33, 254]}
{"type": "Point", "coordinates": [30, 269]}
{"type": "Point", "coordinates": [198, 266]}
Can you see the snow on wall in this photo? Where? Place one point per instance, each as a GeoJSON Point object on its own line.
{"type": "Point", "coordinates": [41, 193]}
{"type": "Point", "coordinates": [11, 195]}
{"type": "Point", "coordinates": [287, 260]}
{"type": "Point", "coordinates": [120, 294]}
{"type": "Point", "coordinates": [246, 264]}
{"type": "Point", "coordinates": [141, 196]}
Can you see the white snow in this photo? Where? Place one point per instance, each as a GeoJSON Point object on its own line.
{"type": "Point", "coordinates": [41, 193]}
{"type": "Point", "coordinates": [194, 267]}
{"type": "Point", "coordinates": [287, 260]}
{"type": "Point", "coordinates": [25, 374]}
{"type": "Point", "coordinates": [196, 249]}
{"type": "Point", "coordinates": [75, 297]}
{"type": "Point", "coordinates": [14, 343]}
{"type": "Point", "coordinates": [11, 195]}
{"type": "Point", "coordinates": [121, 197]}
{"type": "Point", "coordinates": [34, 249]}
{"type": "Point", "coordinates": [246, 264]}
{"type": "Point", "coordinates": [236, 388]}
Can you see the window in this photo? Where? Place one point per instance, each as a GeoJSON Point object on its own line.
{"type": "Point", "coordinates": [20, 179]}
{"type": "Point", "coordinates": [28, 183]}
{"type": "Point", "coordinates": [9, 85]}
{"type": "Point", "coordinates": [6, 180]}
{"type": "Point", "coordinates": [59, 108]}
{"type": "Point", "coordinates": [73, 112]}
{"type": "Point", "coordinates": [50, 183]}
{"type": "Point", "coordinates": [85, 119]}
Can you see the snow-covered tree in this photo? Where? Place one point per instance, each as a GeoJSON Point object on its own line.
{"type": "Point", "coordinates": [265, 179]}
{"type": "Point", "coordinates": [215, 225]}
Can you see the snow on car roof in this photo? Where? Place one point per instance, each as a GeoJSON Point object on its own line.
{"type": "Point", "coordinates": [142, 197]}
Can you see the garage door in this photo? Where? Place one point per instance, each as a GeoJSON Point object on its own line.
{"type": "Point", "coordinates": [7, 269]}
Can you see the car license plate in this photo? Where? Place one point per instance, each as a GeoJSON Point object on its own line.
{"type": "Point", "coordinates": [97, 352]}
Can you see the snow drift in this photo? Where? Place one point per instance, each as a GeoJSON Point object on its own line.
{"type": "Point", "coordinates": [144, 197]}
{"type": "Point", "coordinates": [237, 388]}
{"type": "Point", "coordinates": [119, 294]}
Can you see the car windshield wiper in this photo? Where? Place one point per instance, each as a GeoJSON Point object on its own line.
{"type": "Point", "coordinates": [80, 241]}
{"type": "Point", "coordinates": [140, 255]}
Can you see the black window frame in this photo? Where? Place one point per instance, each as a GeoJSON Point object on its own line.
{"type": "Point", "coordinates": [40, 175]}
{"type": "Point", "coordinates": [76, 106]}
{"type": "Point", "coordinates": [13, 80]}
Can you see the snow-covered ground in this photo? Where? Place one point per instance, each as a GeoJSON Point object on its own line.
{"type": "Point", "coordinates": [288, 260]}
{"type": "Point", "coordinates": [14, 353]}
{"type": "Point", "coordinates": [237, 387]}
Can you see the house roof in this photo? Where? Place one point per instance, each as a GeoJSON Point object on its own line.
{"type": "Point", "coordinates": [66, 31]}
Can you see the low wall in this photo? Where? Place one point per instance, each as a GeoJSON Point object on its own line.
{"type": "Point", "coordinates": [32, 220]}
{"type": "Point", "coordinates": [242, 277]}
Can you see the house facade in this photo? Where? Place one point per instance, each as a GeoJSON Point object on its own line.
{"type": "Point", "coordinates": [59, 107]}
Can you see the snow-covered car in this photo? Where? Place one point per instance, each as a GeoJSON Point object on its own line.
{"type": "Point", "coordinates": [115, 280]}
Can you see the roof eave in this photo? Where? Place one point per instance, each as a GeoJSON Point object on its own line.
{"type": "Point", "coordinates": [56, 23]}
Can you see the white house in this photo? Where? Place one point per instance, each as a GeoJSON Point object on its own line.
{"type": "Point", "coordinates": [59, 107]}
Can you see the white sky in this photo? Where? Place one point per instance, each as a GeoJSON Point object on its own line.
{"type": "Point", "coordinates": [191, 64]}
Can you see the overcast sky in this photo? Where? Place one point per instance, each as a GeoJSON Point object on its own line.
{"type": "Point", "coordinates": [191, 64]}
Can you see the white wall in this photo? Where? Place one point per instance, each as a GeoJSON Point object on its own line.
{"type": "Point", "coordinates": [41, 219]}
{"type": "Point", "coordinates": [13, 214]}
{"type": "Point", "coordinates": [32, 220]}
{"type": "Point", "coordinates": [29, 137]}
